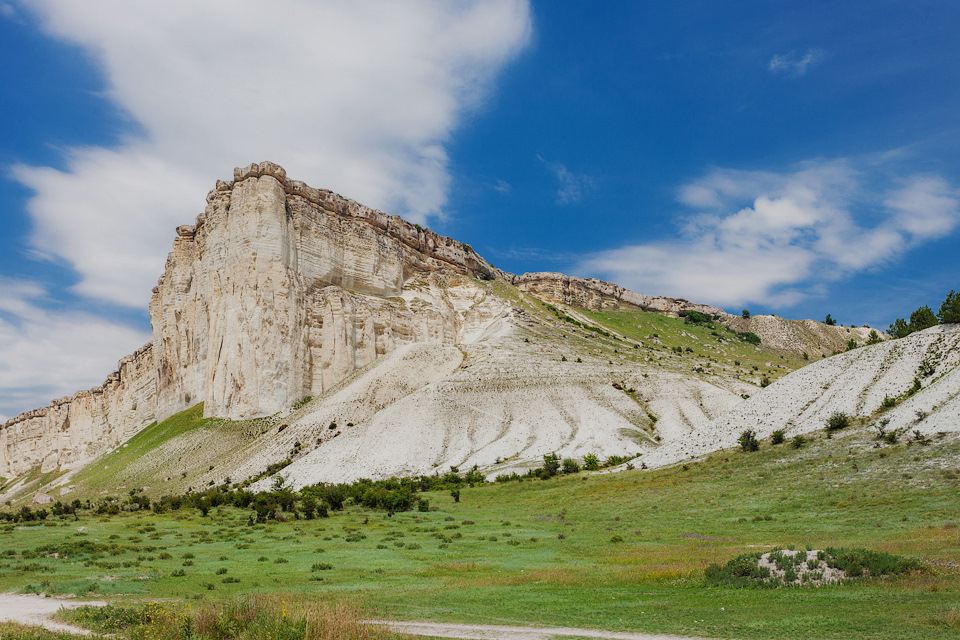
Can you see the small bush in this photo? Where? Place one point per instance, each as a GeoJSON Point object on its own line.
{"type": "Point", "coordinates": [591, 462]}
{"type": "Point", "coordinates": [797, 442]}
{"type": "Point", "coordinates": [571, 466]}
{"type": "Point", "coordinates": [777, 437]}
{"type": "Point", "coordinates": [748, 441]}
{"type": "Point", "coordinates": [838, 421]}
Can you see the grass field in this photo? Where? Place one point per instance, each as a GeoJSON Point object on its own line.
{"type": "Point", "coordinates": [623, 551]}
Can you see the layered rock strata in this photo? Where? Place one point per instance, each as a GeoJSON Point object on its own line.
{"type": "Point", "coordinates": [279, 290]}
{"type": "Point", "coordinates": [596, 295]}
{"type": "Point", "coordinates": [74, 430]}
{"type": "Point", "coordinates": [276, 292]}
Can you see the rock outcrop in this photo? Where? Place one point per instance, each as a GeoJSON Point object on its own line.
{"type": "Point", "coordinates": [276, 292]}
{"type": "Point", "coordinates": [279, 291]}
{"type": "Point", "coordinates": [596, 295]}
{"type": "Point", "coordinates": [77, 429]}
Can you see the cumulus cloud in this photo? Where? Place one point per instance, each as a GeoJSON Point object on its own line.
{"type": "Point", "coordinates": [774, 237]}
{"type": "Point", "coordinates": [359, 97]}
{"type": "Point", "coordinates": [571, 186]}
{"type": "Point", "coordinates": [794, 63]}
{"type": "Point", "coordinates": [50, 354]}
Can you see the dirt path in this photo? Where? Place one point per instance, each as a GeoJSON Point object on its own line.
{"type": "Point", "coordinates": [36, 610]}
{"type": "Point", "coordinates": [499, 632]}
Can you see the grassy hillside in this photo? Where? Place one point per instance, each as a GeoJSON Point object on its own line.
{"type": "Point", "coordinates": [649, 339]}
{"type": "Point", "coordinates": [186, 451]}
{"type": "Point", "coordinates": [621, 551]}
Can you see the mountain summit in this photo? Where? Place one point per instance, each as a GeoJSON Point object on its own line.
{"type": "Point", "coordinates": [414, 351]}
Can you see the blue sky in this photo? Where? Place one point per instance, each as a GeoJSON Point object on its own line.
{"type": "Point", "coordinates": [798, 158]}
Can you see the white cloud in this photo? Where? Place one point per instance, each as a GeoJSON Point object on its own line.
{"type": "Point", "coordinates": [796, 64]}
{"type": "Point", "coordinates": [502, 186]}
{"type": "Point", "coordinates": [51, 354]}
{"type": "Point", "coordinates": [571, 186]}
{"type": "Point", "coordinates": [926, 207]}
{"type": "Point", "coordinates": [773, 237]}
{"type": "Point", "coordinates": [359, 97]}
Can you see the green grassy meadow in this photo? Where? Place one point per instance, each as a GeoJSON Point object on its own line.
{"type": "Point", "coordinates": [615, 551]}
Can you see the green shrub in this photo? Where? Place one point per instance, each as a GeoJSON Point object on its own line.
{"type": "Point", "coordinates": [591, 462]}
{"type": "Point", "coordinates": [748, 441]}
{"type": "Point", "coordinates": [571, 466]}
{"type": "Point", "coordinates": [551, 464]}
{"type": "Point", "coordinates": [857, 562]}
{"type": "Point", "coordinates": [777, 437]}
{"type": "Point", "coordinates": [950, 309]}
{"type": "Point", "coordinates": [111, 617]}
{"type": "Point", "coordinates": [838, 421]}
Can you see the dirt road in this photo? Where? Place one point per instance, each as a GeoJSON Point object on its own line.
{"type": "Point", "coordinates": [36, 610]}
{"type": "Point", "coordinates": [499, 632]}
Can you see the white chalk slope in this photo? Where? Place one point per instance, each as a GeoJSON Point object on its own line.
{"type": "Point", "coordinates": [500, 403]}
{"type": "Point", "coordinates": [854, 383]}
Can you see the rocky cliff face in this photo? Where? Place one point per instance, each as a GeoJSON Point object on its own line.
{"type": "Point", "coordinates": [280, 290]}
{"type": "Point", "coordinates": [77, 429]}
{"type": "Point", "coordinates": [597, 295]}
{"type": "Point", "coordinates": [277, 292]}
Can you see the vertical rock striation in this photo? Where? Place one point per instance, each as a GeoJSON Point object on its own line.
{"type": "Point", "coordinates": [278, 291]}
{"type": "Point", "coordinates": [77, 429]}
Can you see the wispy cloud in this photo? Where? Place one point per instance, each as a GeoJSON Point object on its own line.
{"type": "Point", "coordinates": [502, 186]}
{"type": "Point", "coordinates": [571, 186]}
{"type": "Point", "coordinates": [49, 354]}
{"type": "Point", "coordinates": [796, 64]}
{"type": "Point", "coordinates": [357, 97]}
{"type": "Point", "coordinates": [774, 238]}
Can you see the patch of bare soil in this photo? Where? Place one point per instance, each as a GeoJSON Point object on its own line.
{"type": "Point", "coordinates": [37, 610]}
{"type": "Point", "coordinates": [501, 632]}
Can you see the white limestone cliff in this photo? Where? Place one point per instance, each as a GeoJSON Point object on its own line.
{"type": "Point", "coordinates": [277, 292]}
